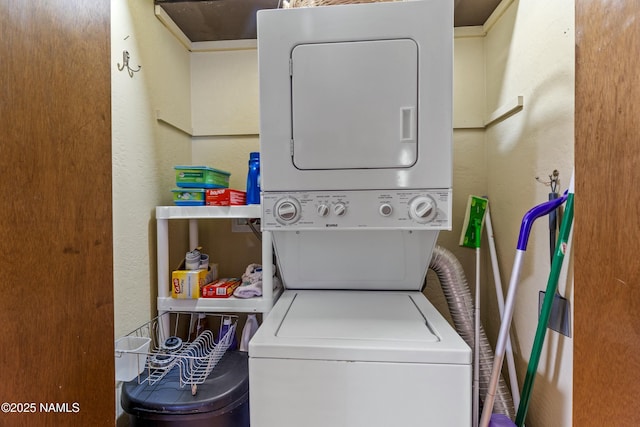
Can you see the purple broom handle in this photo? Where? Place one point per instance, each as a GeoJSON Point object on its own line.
{"type": "Point", "coordinates": [533, 214]}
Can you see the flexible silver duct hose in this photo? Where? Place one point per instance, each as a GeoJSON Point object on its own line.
{"type": "Point", "coordinates": [458, 295]}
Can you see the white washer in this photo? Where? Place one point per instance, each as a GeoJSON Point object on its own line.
{"type": "Point", "coordinates": [358, 359]}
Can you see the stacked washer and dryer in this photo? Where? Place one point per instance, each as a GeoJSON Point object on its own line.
{"type": "Point", "coordinates": [356, 152]}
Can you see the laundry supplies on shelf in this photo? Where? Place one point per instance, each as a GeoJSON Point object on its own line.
{"type": "Point", "coordinates": [193, 181]}
{"type": "Point", "coordinates": [225, 197]}
{"type": "Point", "coordinates": [252, 282]}
{"type": "Point", "coordinates": [201, 177]}
{"type": "Point", "coordinates": [253, 179]}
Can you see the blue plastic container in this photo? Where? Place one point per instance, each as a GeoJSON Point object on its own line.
{"type": "Point", "coordinates": [253, 179]}
{"type": "Point", "coordinates": [188, 196]}
{"type": "Point", "coordinates": [201, 177]}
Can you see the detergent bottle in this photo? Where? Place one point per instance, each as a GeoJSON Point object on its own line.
{"type": "Point", "coordinates": [253, 179]}
{"type": "Point", "coordinates": [250, 328]}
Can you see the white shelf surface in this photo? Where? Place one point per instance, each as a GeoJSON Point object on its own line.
{"type": "Point", "coordinates": [219, 305]}
{"type": "Point", "coordinates": [208, 212]}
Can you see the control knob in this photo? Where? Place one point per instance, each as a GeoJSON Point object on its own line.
{"type": "Point", "coordinates": [422, 209]}
{"type": "Point", "coordinates": [287, 211]}
{"type": "Point", "coordinates": [323, 210]}
{"type": "Point", "coordinates": [340, 209]}
{"type": "Point", "coordinates": [385, 209]}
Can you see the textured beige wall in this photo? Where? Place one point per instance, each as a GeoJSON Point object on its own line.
{"type": "Point", "coordinates": [143, 153]}
{"type": "Point", "coordinates": [529, 52]}
{"type": "Point", "coordinates": [144, 150]}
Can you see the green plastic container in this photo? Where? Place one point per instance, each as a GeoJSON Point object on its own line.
{"type": "Point", "coordinates": [201, 177]}
{"type": "Point", "coordinates": [189, 196]}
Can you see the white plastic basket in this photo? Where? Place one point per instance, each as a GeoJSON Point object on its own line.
{"type": "Point", "coordinates": [131, 356]}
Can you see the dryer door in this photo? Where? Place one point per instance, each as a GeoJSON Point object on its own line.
{"type": "Point", "coordinates": [354, 104]}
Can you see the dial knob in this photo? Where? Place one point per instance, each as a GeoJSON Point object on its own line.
{"type": "Point", "coordinates": [422, 209]}
{"type": "Point", "coordinates": [287, 211]}
{"type": "Point", "coordinates": [323, 210]}
{"type": "Point", "coordinates": [385, 209]}
{"type": "Point", "coordinates": [339, 209]}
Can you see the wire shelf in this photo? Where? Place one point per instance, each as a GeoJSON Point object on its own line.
{"type": "Point", "coordinates": [175, 340]}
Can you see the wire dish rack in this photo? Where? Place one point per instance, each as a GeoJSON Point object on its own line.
{"type": "Point", "coordinates": [174, 340]}
{"type": "Point", "coordinates": [312, 3]}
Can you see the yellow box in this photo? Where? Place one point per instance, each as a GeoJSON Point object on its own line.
{"type": "Point", "coordinates": [186, 284]}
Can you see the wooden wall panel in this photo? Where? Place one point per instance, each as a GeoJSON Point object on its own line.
{"type": "Point", "coordinates": [56, 304]}
{"type": "Point", "coordinates": [607, 221]}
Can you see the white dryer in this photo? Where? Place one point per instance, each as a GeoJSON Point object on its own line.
{"type": "Point", "coordinates": [355, 140]}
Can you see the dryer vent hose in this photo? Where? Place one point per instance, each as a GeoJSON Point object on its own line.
{"type": "Point", "coordinates": [458, 295]}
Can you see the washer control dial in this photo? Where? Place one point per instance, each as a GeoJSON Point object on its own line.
{"type": "Point", "coordinates": [422, 209]}
{"type": "Point", "coordinates": [385, 209]}
{"type": "Point", "coordinates": [340, 209]}
{"type": "Point", "coordinates": [287, 211]}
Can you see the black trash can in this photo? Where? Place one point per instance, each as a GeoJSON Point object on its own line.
{"type": "Point", "coordinates": [221, 401]}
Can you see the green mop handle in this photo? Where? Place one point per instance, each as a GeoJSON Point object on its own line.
{"type": "Point", "coordinates": [552, 284]}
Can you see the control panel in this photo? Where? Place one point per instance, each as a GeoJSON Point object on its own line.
{"type": "Point", "coordinates": [379, 209]}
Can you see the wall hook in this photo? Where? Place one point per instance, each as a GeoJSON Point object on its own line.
{"type": "Point", "coordinates": [554, 180]}
{"type": "Point", "coordinates": [125, 64]}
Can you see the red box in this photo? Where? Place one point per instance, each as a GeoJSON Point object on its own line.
{"type": "Point", "coordinates": [221, 288]}
{"type": "Point", "coordinates": [225, 197]}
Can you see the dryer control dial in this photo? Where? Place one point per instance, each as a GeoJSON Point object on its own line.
{"type": "Point", "coordinates": [323, 210]}
{"type": "Point", "coordinates": [287, 211]}
{"type": "Point", "coordinates": [422, 209]}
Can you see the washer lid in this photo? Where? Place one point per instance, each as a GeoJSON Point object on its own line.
{"type": "Point", "coordinates": [376, 326]}
{"type": "Point", "coordinates": [352, 316]}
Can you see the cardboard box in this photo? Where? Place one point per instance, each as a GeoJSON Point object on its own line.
{"type": "Point", "coordinates": [186, 284]}
{"type": "Point", "coordinates": [225, 197]}
{"type": "Point", "coordinates": [222, 288]}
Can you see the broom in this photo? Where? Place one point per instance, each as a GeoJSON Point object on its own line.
{"type": "Point", "coordinates": [552, 286]}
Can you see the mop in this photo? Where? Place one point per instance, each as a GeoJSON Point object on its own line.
{"type": "Point", "coordinates": [503, 336]}
{"type": "Point", "coordinates": [471, 238]}
{"type": "Point", "coordinates": [552, 285]}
